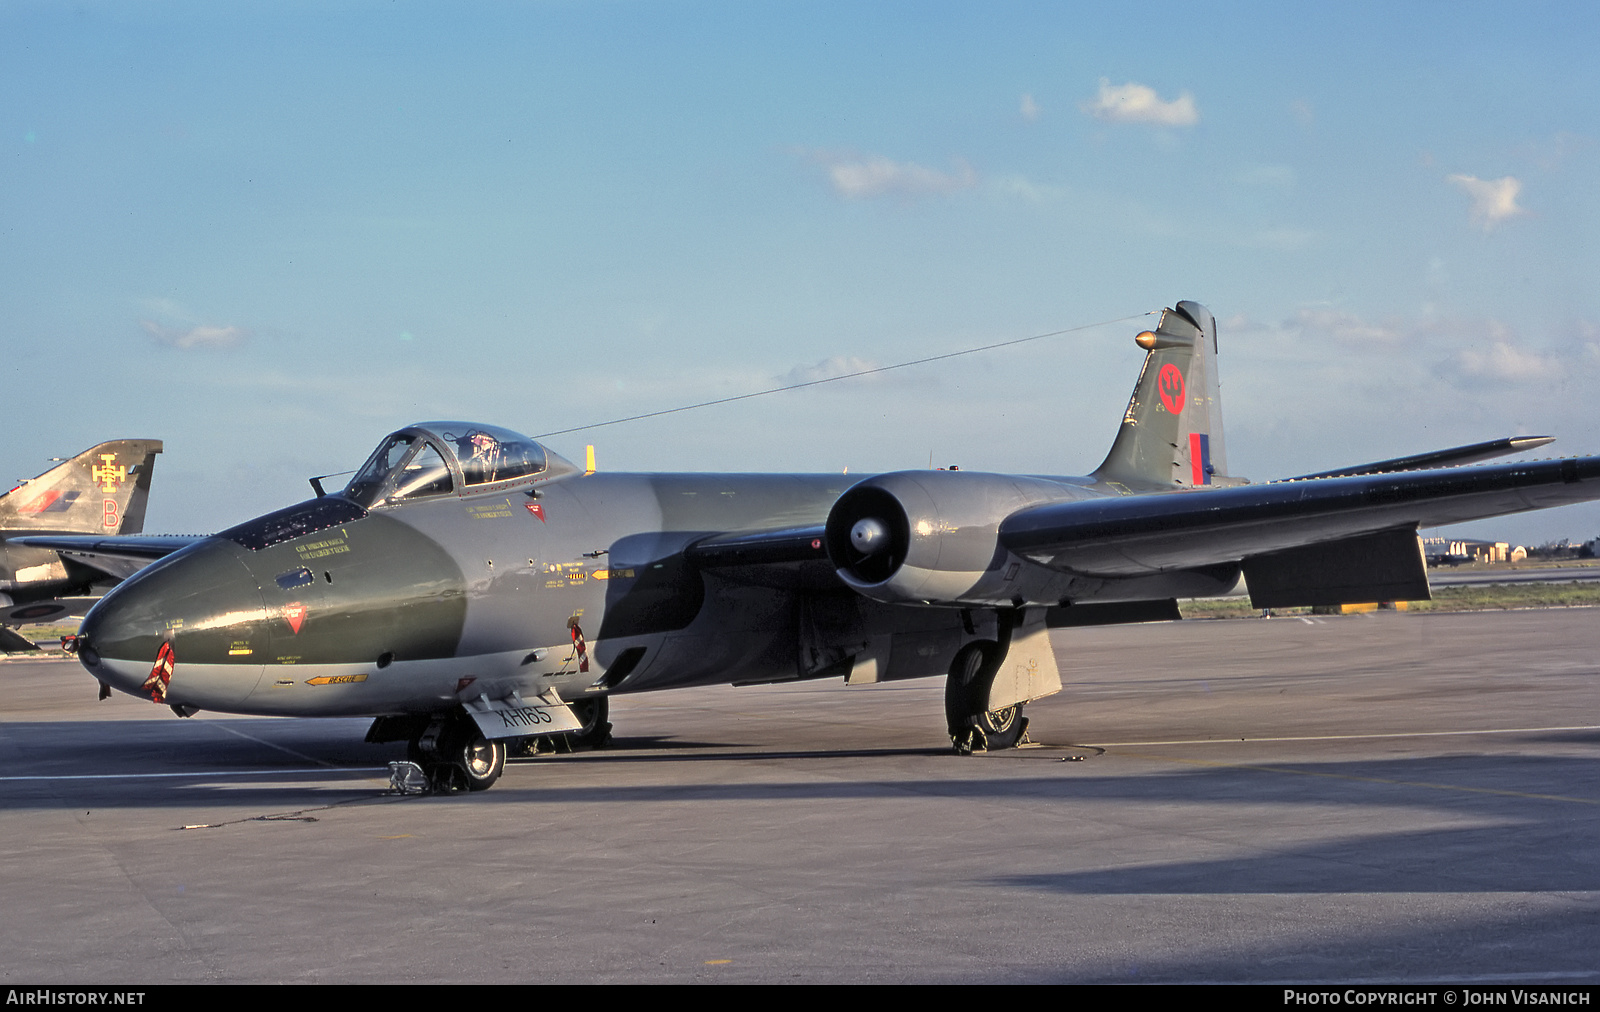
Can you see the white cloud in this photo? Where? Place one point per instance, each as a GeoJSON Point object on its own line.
{"type": "Point", "coordinates": [1493, 200]}
{"type": "Point", "coordinates": [1341, 326]}
{"type": "Point", "coordinates": [1505, 361]}
{"type": "Point", "coordinates": [1027, 189]}
{"type": "Point", "coordinates": [1469, 352]}
{"type": "Point", "coordinates": [185, 338]}
{"type": "Point", "coordinates": [1492, 352]}
{"type": "Point", "coordinates": [855, 177]}
{"type": "Point", "coordinates": [828, 368]}
{"type": "Point", "coordinates": [1029, 109]}
{"type": "Point", "coordinates": [1137, 103]}
{"type": "Point", "coordinates": [175, 325]}
{"type": "Point", "coordinates": [1586, 335]}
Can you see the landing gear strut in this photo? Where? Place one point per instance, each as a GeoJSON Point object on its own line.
{"type": "Point", "coordinates": [966, 693]}
{"type": "Point", "coordinates": [455, 755]}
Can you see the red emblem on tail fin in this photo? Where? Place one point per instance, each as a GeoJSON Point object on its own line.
{"type": "Point", "coordinates": [1169, 383]}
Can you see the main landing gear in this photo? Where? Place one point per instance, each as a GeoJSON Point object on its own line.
{"type": "Point", "coordinates": [595, 732]}
{"type": "Point", "coordinates": [973, 727]}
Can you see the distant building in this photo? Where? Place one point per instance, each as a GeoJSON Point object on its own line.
{"type": "Point", "coordinates": [1453, 552]}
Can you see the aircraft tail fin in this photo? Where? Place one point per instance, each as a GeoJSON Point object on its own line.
{"type": "Point", "coordinates": [103, 490]}
{"type": "Point", "coordinates": [1171, 434]}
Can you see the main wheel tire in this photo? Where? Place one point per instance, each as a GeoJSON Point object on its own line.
{"type": "Point", "coordinates": [481, 759]}
{"type": "Point", "coordinates": [961, 687]}
{"type": "Point", "coordinates": [462, 757]}
{"type": "Point", "coordinates": [1002, 728]}
{"type": "Point", "coordinates": [966, 691]}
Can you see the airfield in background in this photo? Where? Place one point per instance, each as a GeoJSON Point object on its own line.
{"type": "Point", "coordinates": [1396, 797]}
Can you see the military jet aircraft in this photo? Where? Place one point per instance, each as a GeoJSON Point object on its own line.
{"type": "Point", "coordinates": [102, 490]}
{"type": "Point", "coordinates": [469, 587]}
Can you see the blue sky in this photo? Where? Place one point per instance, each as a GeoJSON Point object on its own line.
{"type": "Point", "coordinates": [268, 234]}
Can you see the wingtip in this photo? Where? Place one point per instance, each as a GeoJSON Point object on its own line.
{"type": "Point", "coordinates": [1519, 443]}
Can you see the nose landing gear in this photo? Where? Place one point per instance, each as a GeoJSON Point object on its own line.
{"type": "Point", "coordinates": [455, 756]}
{"type": "Point", "coordinates": [448, 752]}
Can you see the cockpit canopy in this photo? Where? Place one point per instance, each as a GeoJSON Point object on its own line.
{"type": "Point", "coordinates": [444, 458]}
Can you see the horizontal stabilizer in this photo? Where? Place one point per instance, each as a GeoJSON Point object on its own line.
{"type": "Point", "coordinates": [55, 609]}
{"type": "Point", "coordinates": [15, 643]}
{"type": "Point", "coordinates": [1133, 535]}
{"type": "Point", "coordinates": [1469, 454]}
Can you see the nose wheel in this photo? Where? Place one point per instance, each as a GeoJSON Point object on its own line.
{"type": "Point", "coordinates": [454, 755]}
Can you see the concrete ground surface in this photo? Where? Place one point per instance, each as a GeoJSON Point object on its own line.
{"type": "Point", "coordinates": [1393, 797]}
{"type": "Point", "coordinates": [1483, 575]}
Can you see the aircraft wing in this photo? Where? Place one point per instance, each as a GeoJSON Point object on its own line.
{"type": "Point", "coordinates": [119, 557]}
{"type": "Point", "coordinates": [1299, 542]}
{"type": "Point", "coordinates": [1140, 534]}
{"type": "Point", "coordinates": [1469, 454]}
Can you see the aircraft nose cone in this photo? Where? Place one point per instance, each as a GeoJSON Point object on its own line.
{"type": "Point", "coordinates": [203, 605]}
{"type": "Point", "coordinates": [869, 535]}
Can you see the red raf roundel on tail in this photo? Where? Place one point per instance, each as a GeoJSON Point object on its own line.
{"type": "Point", "coordinates": [1169, 381]}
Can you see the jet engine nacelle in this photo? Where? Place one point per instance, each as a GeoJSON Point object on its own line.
{"type": "Point", "coordinates": [932, 537]}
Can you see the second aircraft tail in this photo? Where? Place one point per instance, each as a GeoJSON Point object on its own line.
{"type": "Point", "coordinates": [102, 490]}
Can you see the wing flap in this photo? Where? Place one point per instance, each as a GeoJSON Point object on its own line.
{"type": "Point", "coordinates": [1132, 535]}
{"type": "Point", "coordinates": [1387, 566]}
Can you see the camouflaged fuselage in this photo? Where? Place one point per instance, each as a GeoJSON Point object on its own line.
{"type": "Point", "coordinates": [417, 606]}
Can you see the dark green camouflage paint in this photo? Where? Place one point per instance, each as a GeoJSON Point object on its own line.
{"type": "Point", "coordinates": [376, 588]}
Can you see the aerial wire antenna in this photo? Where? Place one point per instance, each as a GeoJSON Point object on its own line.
{"type": "Point", "coordinates": [844, 376]}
